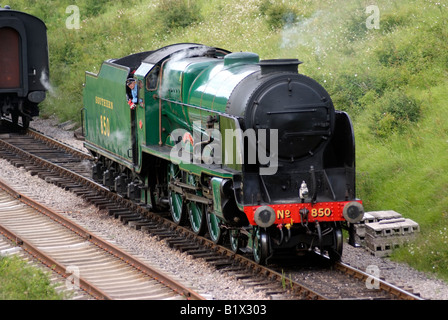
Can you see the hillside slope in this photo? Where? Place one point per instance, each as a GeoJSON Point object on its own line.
{"type": "Point", "coordinates": [384, 62]}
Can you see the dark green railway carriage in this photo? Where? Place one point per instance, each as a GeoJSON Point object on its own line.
{"type": "Point", "coordinates": [24, 65]}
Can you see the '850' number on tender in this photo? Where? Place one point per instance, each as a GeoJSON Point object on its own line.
{"type": "Point", "coordinates": [104, 126]}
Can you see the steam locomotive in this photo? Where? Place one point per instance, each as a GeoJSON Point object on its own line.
{"type": "Point", "coordinates": [24, 67]}
{"type": "Point", "coordinates": [240, 149]}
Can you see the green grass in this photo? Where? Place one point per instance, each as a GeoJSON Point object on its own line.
{"type": "Point", "coordinates": [391, 80]}
{"type": "Point", "coordinates": [19, 281]}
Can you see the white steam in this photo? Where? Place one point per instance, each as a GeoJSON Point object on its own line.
{"type": "Point", "coordinates": [175, 63]}
{"type": "Point", "coordinates": [46, 82]}
{"type": "Point", "coordinates": [309, 32]}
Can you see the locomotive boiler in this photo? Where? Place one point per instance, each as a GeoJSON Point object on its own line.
{"type": "Point", "coordinates": [243, 150]}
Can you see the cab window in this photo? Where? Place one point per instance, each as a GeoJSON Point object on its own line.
{"type": "Point", "coordinates": [152, 79]}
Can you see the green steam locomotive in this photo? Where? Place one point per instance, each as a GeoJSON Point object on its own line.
{"type": "Point", "coordinates": [242, 150]}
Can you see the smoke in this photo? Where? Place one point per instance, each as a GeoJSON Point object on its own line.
{"type": "Point", "coordinates": [119, 137]}
{"type": "Point", "coordinates": [309, 32]}
{"type": "Point", "coordinates": [173, 64]}
{"type": "Point", "coordinates": [188, 53]}
{"type": "Point", "coordinates": [46, 82]}
{"type": "Point", "coordinates": [329, 28]}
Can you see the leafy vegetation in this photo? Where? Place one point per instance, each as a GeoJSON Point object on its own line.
{"type": "Point", "coordinates": [394, 111]}
{"type": "Point", "coordinates": [278, 15]}
{"type": "Point", "coordinates": [388, 71]}
{"type": "Point", "coordinates": [22, 282]}
{"type": "Point", "coordinates": [175, 14]}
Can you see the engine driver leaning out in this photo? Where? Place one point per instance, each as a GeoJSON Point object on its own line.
{"type": "Point", "coordinates": [132, 93]}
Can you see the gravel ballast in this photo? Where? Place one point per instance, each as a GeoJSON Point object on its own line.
{"type": "Point", "coordinates": [196, 273]}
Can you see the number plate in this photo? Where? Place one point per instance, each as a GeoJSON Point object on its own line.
{"type": "Point", "coordinates": [321, 212]}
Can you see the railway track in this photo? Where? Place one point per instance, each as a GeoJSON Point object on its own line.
{"type": "Point", "coordinates": [96, 266]}
{"type": "Point", "coordinates": [9, 248]}
{"type": "Point", "coordinates": [274, 283]}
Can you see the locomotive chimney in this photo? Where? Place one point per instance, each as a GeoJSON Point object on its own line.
{"type": "Point", "coordinates": [279, 65]}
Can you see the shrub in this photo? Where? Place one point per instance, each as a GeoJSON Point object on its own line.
{"type": "Point", "coordinates": [278, 15]}
{"type": "Point", "coordinates": [356, 26]}
{"type": "Point", "coordinates": [19, 281]}
{"type": "Point", "coordinates": [174, 14]}
{"type": "Point", "coordinates": [392, 21]}
{"type": "Point", "coordinates": [396, 110]}
{"type": "Point", "coordinates": [94, 7]}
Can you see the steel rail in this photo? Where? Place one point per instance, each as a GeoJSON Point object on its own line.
{"type": "Point", "coordinates": [297, 288]}
{"type": "Point", "coordinates": [52, 264]}
{"type": "Point", "coordinates": [382, 285]}
{"type": "Point", "coordinates": [84, 233]}
{"type": "Point", "coordinates": [61, 145]}
{"type": "Point", "coordinates": [64, 172]}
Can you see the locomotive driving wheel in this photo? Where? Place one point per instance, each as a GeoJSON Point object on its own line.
{"type": "Point", "coordinates": [196, 213]}
{"type": "Point", "coordinates": [196, 210]}
{"type": "Point", "coordinates": [177, 206]}
{"type": "Point", "coordinates": [260, 245]}
{"type": "Point", "coordinates": [235, 242]}
{"type": "Point", "coordinates": [214, 228]}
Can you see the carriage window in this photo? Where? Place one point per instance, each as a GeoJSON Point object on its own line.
{"type": "Point", "coordinates": [152, 78]}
